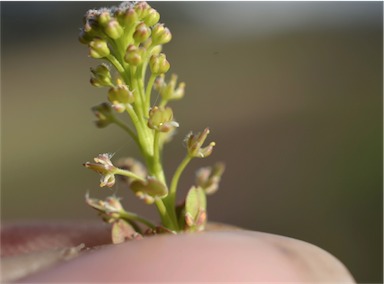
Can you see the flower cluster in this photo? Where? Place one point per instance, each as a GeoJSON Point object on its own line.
{"type": "Point", "coordinates": [129, 39]}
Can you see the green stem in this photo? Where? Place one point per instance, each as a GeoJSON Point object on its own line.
{"type": "Point", "coordinates": [135, 217]}
{"type": "Point", "coordinates": [167, 222]}
{"type": "Point", "coordinates": [126, 173]}
{"type": "Point", "coordinates": [175, 179]}
{"type": "Point", "coordinates": [159, 173]}
{"type": "Point", "coordinates": [140, 80]}
{"type": "Point", "coordinates": [144, 136]}
{"type": "Point", "coordinates": [148, 91]}
{"type": "Point", "coordinates": [117, 64]}
{"type": "Point", "coordinates": [157, 167]}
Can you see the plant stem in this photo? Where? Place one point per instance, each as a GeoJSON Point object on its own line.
{"type": "Point", "coordinates": [175, 179]}
{"type": "Point", "coordinates": [148, 91]}
{"type": "Point", "coordinates": [117, 64]}
{"type": "Point", "coordinates": [165, 219]}
{"type": "Point", "coordinates": [143, 133]}
{"type": "Point", "coordinates": [128, 174]}
{"type": "Point", "coordinates": [157, 167]}
{"type": "Point", "coordinates": [135, 217]}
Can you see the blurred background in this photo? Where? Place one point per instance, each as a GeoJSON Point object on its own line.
{"type": "Point", "coordinates": [292, 92]}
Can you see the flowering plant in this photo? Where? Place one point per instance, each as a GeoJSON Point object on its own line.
{"type": "Point", "coordinates": [129, 38]}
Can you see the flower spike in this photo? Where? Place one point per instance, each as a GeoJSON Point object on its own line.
{"type": "Point", "coordinates": [129, 38]}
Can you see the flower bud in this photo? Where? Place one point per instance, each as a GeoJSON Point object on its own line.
{"type": "Point", "coordinates": [104, 115]}
{"type": "Point", "coordinates": [160, 35]}
{"type": "Point", "coordinates": [141, 33]}
{"type": "Point", "coordinates": [98, 48]}
{"type": "Point", "coordinates": [113, 29]}
{"type": "Point", "coordinates": [128, 18]}
{"type": "Point", "coordinates": [133, 55]}
{"type": "Point", "coordinates": [152, 18]}
{"type": "Point", "coordinates": [159, 64]}
{"type": "Point", "coordinates": [142, 9]}
{"type": "Point", "coordinates": [195, 142]}
{"type": "Point", "coordinates": [104, 17]}
{"type": "Point", "coordinates": [101, 76]}
{"type": "Point", "coordinates": [119, 96]}
{"type": "Point", "coordinates": [161, 119]}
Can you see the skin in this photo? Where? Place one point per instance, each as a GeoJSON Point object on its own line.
{"type": "Point", "coordinates": [226, 255]}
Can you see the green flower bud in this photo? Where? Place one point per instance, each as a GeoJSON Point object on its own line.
{"type": "Point", "coordinates": [142, 9]}
{"type": "Point", "coordinates": [155, 50]}
{"type": "Point", "coordinates": [127, 18]}
{"type": "Point", "coordinates": [159, 64]}
{"type": "Point", "coordinates": [101, 76]}
{"type": "Point", "coordinates": [104, 18]}
{"type": "Point", "coordinates": [104, 115]}
{"type": "Point", "coordinates": [133, 55]}
{"type": "Point", "coordinates": [161, 119]}
{"type": "Point", "coordinates": [113, 29]}
{"type": "Point", "coordinates": [119, 96]}
{"type": "Point", "coordinates": [160, 35]}
{"type": "Point", "coordinates": [141, 33]}
{"type": "Point", "coordinates": [195, 143]}
{"type": "Point", "coordinates": [152, 18]}
{"type": "Point", "coordinates": [98, 48]}
{"type": "Point", "coordinates": [101, 71]}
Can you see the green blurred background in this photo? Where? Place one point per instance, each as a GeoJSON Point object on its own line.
{"type": "Point", "coordinates": [292, 92]}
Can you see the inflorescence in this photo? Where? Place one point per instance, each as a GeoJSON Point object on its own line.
{"type": "Point", "coordinates": [129, 38]}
